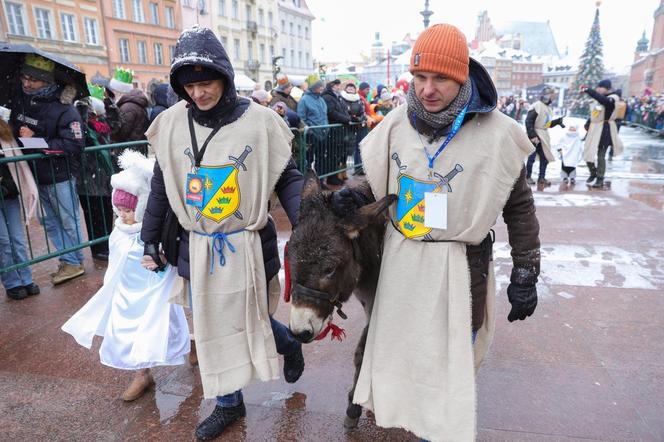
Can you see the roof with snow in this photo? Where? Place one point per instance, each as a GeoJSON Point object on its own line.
{"type": "Point", "coordinates": [537, 36]}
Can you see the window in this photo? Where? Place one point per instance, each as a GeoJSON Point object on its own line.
{"type": "Point", "coordinates": [247, 11]}
{"type": "Point", "coordinates": [91, 31]}
{"type": "Point", "coordinates": [124, 50]}
{"type": "Point", "coordinates": [308, 65]}
{"type": "Point", "coordinates": [283, 55]}
{"type": "Point", "coordinates": [271, 53]}
{"type": "Point", "coordinates": [224, 42]}
{"type": "Point", "coordinates": [187, 3]}
{"type": "Point", "coordinates": [222, 8]}
{"type": "Point", "coordinates": [283, 26]}
{"type": "Point", "coordinates": [292, 57]}
{"type": "Point", "coordinates": [68, 27]}
{"type": "Point", "coordinates": [299, 59]}
{"type": "Point", "coordinates": [261, 52]}
{"type": "Point", "coordinates": [119, 9]}
{"type": "Point", "coordinates": [158, 54]}
{"type": "Point", "coordinates": [306, 32]}
{"type": "Point", "coordinates": [142, 52]}
{"type": "Point", "coordinates": [291, 28]}
{"type": "Point", "coordinates": [234, 12]}
{"type": "Point", "coordinates": [154, 13]}
{"type": "Point", "coordinates": [170, 18]}
{"type": "Point", "coordinates": [250, 50]}
{"type": "Point", "coordinates": [138, 11]}
{"type": "Point", "coordinates": [270, 19]}
{"type": "Point", "coordinates": [261, 17]}
{"type": "Point", "coordinates": [236, 44]}
{"type": "Point", "coordinates": [16, 18]}
{"type": "Point", "coordinates": [171, 53]}
{"type": "Point", "coordinates": [299, 31]}
{"type": "Point", "coordinates": [43, 19]}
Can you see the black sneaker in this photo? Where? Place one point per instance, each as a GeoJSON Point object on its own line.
{"type": "Point", "coordinates": [599, 184]}
{"type": "Point", "coordinates": [32, 289]}
{"type": "Point", "coordinates": [591, 178]}
{"type": "Point", "coordinates": [216, 423]}
{"type": "Point", "coordinates": [17, 293]}
{"type": "Point", "coordinates": [293, 365]}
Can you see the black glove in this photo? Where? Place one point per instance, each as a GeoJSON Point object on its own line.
{"type": "Point", "coordinates": [557, 122]}
{"type": "Point", "coordinates": [523, 300]}
{"type": "Point", "coordinates": [345, 201]}
{"type": "Point", "coordinates": [152, 250]}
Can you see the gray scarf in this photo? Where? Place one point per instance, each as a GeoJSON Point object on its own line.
{"type": "Point", "coordinates": [436, 124]}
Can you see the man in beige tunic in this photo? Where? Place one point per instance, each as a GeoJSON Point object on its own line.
{"type": "Point", "coordinates": [538, 122]}
{"type": "Point", "coordinates": [219, 159]}
{"type": "Point", "coordinates": [456, 163]}
{"type": "Point", "coordinates": [602, 131]}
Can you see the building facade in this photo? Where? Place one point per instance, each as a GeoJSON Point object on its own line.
{"type": "Point", "coordinates": [141, 36]}
{"type": "Point", "coordinates": [294, 35]}
{"type": "Point", "coordinates": [248, 31]}
{"type": "Point", "coordinates": [647, 72]}
{"type": "Point", "coordinates": [71, 29]}
{"type": "Point", "coordinates": [196, 12]}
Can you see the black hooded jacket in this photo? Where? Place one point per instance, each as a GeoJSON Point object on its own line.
{"type": "Point", "coordinates": [160, 97]}
{"type": "Point", "coordinates": [201, 47]}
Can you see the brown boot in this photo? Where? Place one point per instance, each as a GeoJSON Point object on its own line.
{"type": "Point", "coordinates": [193, 357]}
{"type": "Point", "coordinates": [141, 382]}
{"type": "Point", "coordinates": [67, 272]}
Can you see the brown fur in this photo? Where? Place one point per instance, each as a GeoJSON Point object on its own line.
{"type": "Point", "coordinates": [6, 131]}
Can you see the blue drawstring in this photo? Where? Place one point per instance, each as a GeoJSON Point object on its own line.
{"type": "Point", "coordinates": [219, 241]}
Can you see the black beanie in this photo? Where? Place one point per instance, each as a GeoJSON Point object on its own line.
{"type": "Point", "coordinates": [193, 73]}
{"type": "Point", "coordinates": [606, 83]}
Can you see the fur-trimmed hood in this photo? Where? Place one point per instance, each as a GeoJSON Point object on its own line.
{"type": "Point", "coordinates": [134, 178]}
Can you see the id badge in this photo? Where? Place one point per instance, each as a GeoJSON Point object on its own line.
{"type": "Point", "coordinates": [195, 190]}
{"type": "Point", "coordinates": [435, 210]}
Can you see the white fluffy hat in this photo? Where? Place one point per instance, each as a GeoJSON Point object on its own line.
{"type": "Point", "coordinates": [134, 178]}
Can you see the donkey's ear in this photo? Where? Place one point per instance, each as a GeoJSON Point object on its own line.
{"type": "Point", "coordinates": [377, 211]}
{"type": "Point", "coordinates": [311, 184]}
{"type": "Point", "coordinates": [371, 213]}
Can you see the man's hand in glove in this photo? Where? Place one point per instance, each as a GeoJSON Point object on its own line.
{"type": "Point", "coordinates": [152, 259]}
{"type": "Point", "coordinates": [557, 122]}
{"type": "Point", "coordinates": [523, 300]}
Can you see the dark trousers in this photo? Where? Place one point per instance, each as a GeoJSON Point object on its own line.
{"type": "Point", "coordinates": [543, 162]}
{"type": "Point", "coordinates": [98, 213]}
{"type": "Point", "coordinates": [601, 161]}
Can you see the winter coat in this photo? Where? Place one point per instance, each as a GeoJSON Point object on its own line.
{"type": "Point", "coordinates": [292, 118]}
{"type": "Point", "coordinates": [160, 97]}
{"type": "Point", "coordinates": [602, 129]}
{"type": "Point", "coordinates": [288, 100]}
{"type": "Point", "coordinates": [312, 109]}
{"type": "Point", "coordinates": [288, 187]}
{"type": "Point", "coordinates": [134, 121]}
{"type": "Point", "coordinates": [54, 118]}
{"type": "Point", "coordinates": [355, 107]}
{"type": "Point", "coordinates": [96, 167]}
{"type": "Point", "coordinates": [337, 112]}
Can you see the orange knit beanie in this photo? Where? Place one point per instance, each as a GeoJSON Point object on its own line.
{"type": "Point", "coordinates": [442, 48]}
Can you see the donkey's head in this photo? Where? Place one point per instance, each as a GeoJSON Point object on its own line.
{"type": "Point", "coordinates": [323, 255]}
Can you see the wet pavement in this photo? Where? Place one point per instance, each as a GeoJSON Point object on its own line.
{"type": "Point", "coordinates": [588, 365]}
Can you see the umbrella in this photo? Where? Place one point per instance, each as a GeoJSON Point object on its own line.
{"type": "Point", "coordinates": [11, 60]}
{"type": "Point", "coordinates": [244, 83]}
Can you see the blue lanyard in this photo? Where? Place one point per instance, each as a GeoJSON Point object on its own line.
{"type": "Point", "coordinates": [455, 128]}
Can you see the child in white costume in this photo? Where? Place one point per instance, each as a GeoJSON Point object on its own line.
{"type": "Point", "coordinates": [571, 153]}
{"type": "Point", "coordinates": [131, 310]}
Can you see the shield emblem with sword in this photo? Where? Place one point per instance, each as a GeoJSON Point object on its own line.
{"type": "Point", "coordinates": [410, 205]}
{"type": "Point", "coordinates": [222, 191]}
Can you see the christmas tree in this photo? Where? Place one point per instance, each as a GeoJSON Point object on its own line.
{"type": "Point", "coordinates": [591, 68]}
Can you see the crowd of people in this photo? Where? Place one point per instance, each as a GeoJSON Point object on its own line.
{"type": "Point", "coordinates": [647, 110]}
{"type": "Point", "coordinates": [513, 107]}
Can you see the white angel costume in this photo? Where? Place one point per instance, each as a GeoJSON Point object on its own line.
{"type": "Point", "coordinates": [571, 153]}
{"type": "Point", "coordinates": [140, 329]}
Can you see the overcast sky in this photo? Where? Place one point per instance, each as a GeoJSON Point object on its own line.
{"type": "Point", "coordinates": [345, 28]}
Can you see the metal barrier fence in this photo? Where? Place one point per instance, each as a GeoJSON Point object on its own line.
{"type": "Point", "coordinates": [73, 215]}
{"type": "Point", "coordinates": [25, 242]}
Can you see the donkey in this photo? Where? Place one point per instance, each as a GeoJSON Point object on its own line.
{"type": "Point", "coordinates": [330, 258]}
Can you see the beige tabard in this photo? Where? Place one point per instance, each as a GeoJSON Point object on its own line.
{"type": "Point", "coordinates": [597, 117]}
{"type": "Point", "coordinates": [544, 114]}
{"type": "Point", "coordinates": [234, 339]}
{"type": "Point", "coordinates": [418, 367]}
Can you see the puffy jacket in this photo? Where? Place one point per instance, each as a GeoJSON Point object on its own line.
{"type": "Point", "coordinates": [134, 121]}
{"type": "Point", "coordinates": [54, 118]}
{"type": "Point", "coordinates": [337, 111]}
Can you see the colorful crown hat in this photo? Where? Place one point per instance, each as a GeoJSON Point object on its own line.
{"type": "Point", "coordinates": [96, 91]}
{"type": "Point", "coordinates": [122, 80]}
{"type": "Point", "coordinates": [39, 62]}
